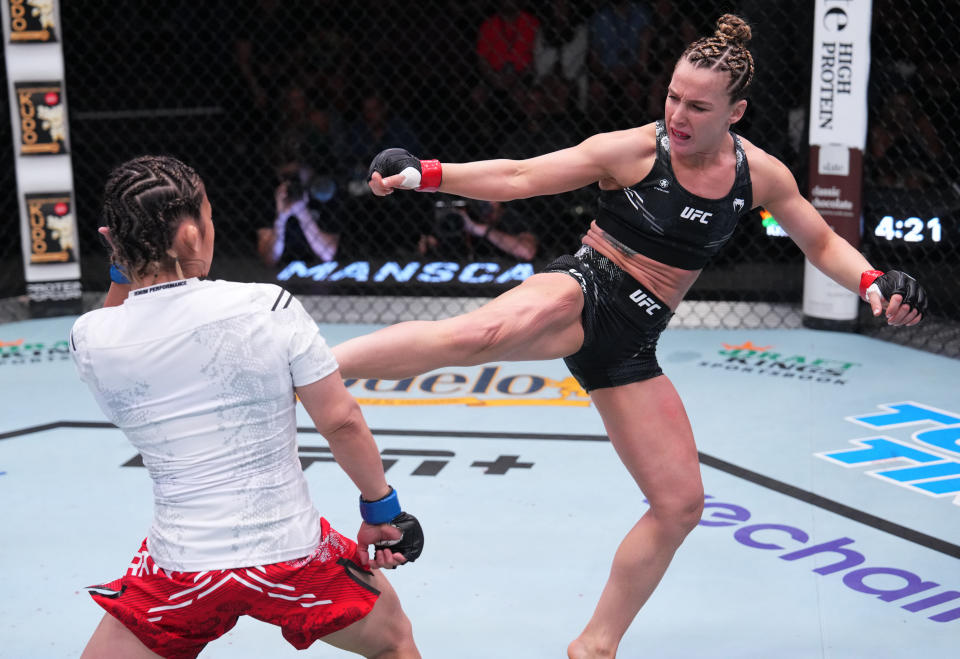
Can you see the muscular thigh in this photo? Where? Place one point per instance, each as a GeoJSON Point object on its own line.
{"type": "Point", "coordinates": [539, 319]}
{"type": "Point", "coordinates": [648, 426]}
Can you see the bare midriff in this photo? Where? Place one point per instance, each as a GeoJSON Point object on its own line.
{"type": "Point", "coordinates": [668, 283]}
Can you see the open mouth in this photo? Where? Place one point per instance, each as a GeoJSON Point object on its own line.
{"type": "Point", "coordinates": [680, 135]}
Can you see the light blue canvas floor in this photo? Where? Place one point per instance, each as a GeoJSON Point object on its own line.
{"type": "Point", "coordinates": [831, 464]}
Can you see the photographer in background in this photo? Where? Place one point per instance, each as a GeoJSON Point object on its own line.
{"type": "Point", "coordinates": [479, 229]}
{"type": "Point", "coordinates": [305, 227]}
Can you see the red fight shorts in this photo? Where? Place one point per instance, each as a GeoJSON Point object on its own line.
{"type": "Point", "coordinates": [176, 614]}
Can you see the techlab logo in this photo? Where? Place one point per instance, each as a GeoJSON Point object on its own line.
{"type": "Point", "coordinates": [486, 388]}
{"type": "Point", "coordinates": [928, 464]}
{"type": "Point", "coordinates": [763, 360]}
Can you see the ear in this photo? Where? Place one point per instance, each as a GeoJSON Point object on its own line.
{"type": "Point", "coordinates": [736, 113]}
{"type": "Point", "coordinates": [186, 241]}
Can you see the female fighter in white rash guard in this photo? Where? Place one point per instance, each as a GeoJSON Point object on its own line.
{"type": "Point", "coordinates": [670, 195]}
{"type": "Point", "coordinates": [202, 377]}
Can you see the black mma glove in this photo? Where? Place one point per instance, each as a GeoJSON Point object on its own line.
{"type": "Point", "coordinates": [422, 175]}
{"type": "Point", "coordinates": [410, 543]}
{"type": "Point", "coordinates": [893, 283]}
{"type": "Point", "coordinates": [387, 510]}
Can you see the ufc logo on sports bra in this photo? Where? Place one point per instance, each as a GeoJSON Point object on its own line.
{"type": "Point", "coordinates": [691, 213]}
{"type": "Point", "coordinates": [644, 301]}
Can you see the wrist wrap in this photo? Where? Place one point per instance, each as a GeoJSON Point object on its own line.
{"type": "Point", "coordinates": [431, 174]}
{"type": "Point", "coordinates": [866, 280]}
{"type": "Point", "coordinates": [117, 276]}
{"type": "Point", "coordinates": [382, 510]}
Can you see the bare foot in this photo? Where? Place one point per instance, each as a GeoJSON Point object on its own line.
{"type": "Point", "coordinates": [580, 649]}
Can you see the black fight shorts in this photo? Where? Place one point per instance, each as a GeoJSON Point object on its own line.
{"type": "Point", "coordinates": [622, 322]}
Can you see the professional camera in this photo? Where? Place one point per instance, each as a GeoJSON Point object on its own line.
{"type": "Point", "coordinates": [448, 219]}
{"type": "Point", "coordinates": [304, 182]}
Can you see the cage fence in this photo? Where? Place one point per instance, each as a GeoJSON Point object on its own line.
{"type": "Point", "coordinates": [275, 101]}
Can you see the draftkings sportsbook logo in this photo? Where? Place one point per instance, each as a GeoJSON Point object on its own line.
{"type": "Point", "coordinates": [43, 128]}
{"type": "Point", "coordinates": [32, 21]}
{"type": "Point", "coordinates": [763, 360]}
{"type": "Point", "coordinates": [484, 388]}
{"type": "Point", "coordinates": [52, 228]}
{"type": "Point", "coordinates": [21, 351]}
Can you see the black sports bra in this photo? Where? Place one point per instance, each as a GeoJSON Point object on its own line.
{"type": "Point", "coordinates": [659, 219]}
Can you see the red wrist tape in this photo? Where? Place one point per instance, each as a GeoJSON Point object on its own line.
{"type": "Point", "coordinates": [866, 280]}
{"type": "Point", "coordinates": [430, 175]}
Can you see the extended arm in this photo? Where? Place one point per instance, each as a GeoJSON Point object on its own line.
{"type": "Point", "coordinates": [903, 299]}
{"type": "Point", "coordinates": [601, 156]}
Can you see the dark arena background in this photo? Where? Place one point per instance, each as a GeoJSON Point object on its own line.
{"type": "Point", "coordinates": [245, 91]}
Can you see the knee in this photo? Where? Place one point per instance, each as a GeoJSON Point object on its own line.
{"type": "Point", "coordinates": [681, 511]}
{"type": "Point", "coordinates": [400, 641]}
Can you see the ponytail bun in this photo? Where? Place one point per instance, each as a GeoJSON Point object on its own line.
{"type": "Point", "coordinates": [733, 29]}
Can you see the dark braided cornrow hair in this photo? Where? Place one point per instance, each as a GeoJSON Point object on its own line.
{"type": "Point", "coordinates": [726, 51]}
{"type": "Point", "coordinates": [145, 199]}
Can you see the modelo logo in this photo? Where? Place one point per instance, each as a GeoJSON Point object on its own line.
{"type": "Point", "coordinates": [907, 590]}
{"type": "Point", "coordinates": [933, 457]}
{"type": "Point", "coordinates": [484, 389]}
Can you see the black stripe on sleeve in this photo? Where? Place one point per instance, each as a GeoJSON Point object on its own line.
{"type": "Point", "coordinates": [277, 301]}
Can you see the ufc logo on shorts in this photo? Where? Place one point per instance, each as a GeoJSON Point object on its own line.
{"type": "Point", "coordinates": [691, 213]}
{"type": "Point", "coordinates": [644, 301]}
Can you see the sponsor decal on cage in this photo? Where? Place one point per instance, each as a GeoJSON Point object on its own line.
{"type": "Point", "coordinates": [927, 463]}
{"type": "Point", "coordinates": [413, 272]}
{"type": "Point", "coordinates": [763, 360]}
{"type": "Point", "coordinates": [52, 228]}
{"type": "Point", "coordinates": [43, 127]}
{"type": "Point", "coordinates": [32, 21]}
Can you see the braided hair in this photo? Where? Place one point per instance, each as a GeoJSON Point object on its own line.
{"type": "Point", "coordinates": [726, 51]}
{"type": "Point", "coordinates": [145, 200]}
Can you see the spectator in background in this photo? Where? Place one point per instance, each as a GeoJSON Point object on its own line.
{"type": "Point", "coordinates": [384, 230]}
{"type": "Point", "coordinates": [504, 50]}
{"type": "Point", "coordinates": [306, 227]}
{"type": "Point", "coordinates": [620, 34]}
{"type": "Point", "coordinates": [505, 45]}
{"type": "Point", "coordinates": [560, 50]}
{"type": "Point", "coordinates": [479, 229]}
{"type": "Point", "coordinates": [904, 146]}
{"type": "Point", "coordinates": [670, 30]}
{"type": "Point", "coordinates": [377, 127]}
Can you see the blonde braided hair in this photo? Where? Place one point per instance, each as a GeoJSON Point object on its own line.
{"type": "Point", "coordinates": [726, 51]}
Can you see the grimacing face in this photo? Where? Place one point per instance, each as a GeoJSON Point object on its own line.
{"type": "Point", "coordinates": [698, 111]}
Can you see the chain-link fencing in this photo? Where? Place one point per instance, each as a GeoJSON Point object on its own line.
{"type": "Point", "coordinates": [273, 101]}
